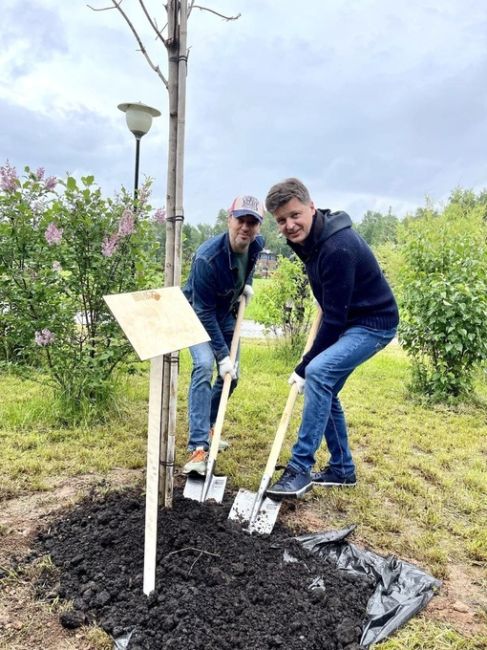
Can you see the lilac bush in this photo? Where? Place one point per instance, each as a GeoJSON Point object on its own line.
{"type": "Point", "coordinates": [63, 246]}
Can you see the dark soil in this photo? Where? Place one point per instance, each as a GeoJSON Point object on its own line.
{"type": "Point", "coordinates": [216, 587]}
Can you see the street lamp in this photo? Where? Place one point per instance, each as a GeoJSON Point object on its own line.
{"type": "Point", "coordinates": [139, 120]}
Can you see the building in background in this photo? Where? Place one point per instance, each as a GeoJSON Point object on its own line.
{"type": "Point", "coordinates": [266, 263]}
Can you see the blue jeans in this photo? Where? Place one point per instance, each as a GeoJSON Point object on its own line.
{"type": "Point", "coordinates": [204, 398]}
{"type": "Point", "coordinates": [322, 413]}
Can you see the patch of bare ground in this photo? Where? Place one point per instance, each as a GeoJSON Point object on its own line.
{"type": "Point", "coordinates": [462, 600]}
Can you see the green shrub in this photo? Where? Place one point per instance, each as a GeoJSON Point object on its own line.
{"type": "Point", "coordinates": [60, 253]}
{"type": "Point", "coordinates": [443, 295]}
{"type": "Point", "coordinates": [284, 302]}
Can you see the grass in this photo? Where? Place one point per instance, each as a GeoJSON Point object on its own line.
{"type": "Point", "coordinates": [422, 492]}
{"type": "Point", "coordinates": [420, 634]}
{"type": "Point", "coordinates": [34, 450]}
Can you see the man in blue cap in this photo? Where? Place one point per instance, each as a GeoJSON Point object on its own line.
{"type": "Point", "coordinates": [221, 275]}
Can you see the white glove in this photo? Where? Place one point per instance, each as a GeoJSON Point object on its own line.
{"type": "Point", "coordinates": [225, 366]}
{"type": "Point", "coordinates": [248, 293]}
{"type": "Point", "coordinates": [298, 380]}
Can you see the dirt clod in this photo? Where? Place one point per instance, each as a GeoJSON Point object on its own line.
{"type": "Point", "coordinates": [216, 586]}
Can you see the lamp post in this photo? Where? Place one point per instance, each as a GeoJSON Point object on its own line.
{"type": "Point", "coordinates": [139, 120]}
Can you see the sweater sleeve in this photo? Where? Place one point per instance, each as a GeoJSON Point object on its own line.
{"type": "Point", "coordinates": [337, 275]}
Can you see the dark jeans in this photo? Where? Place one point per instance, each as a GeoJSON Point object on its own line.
{"type": "Point", "coordinates": [204, 398]}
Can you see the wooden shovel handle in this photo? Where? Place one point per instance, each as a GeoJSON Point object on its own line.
{"type": "Point", "coordinates": [288, 409]}
{"type": "Point", "coordinates": [222, 407]}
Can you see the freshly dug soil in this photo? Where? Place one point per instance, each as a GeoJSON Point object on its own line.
{"type": "Point", "coordinates": [216, 586]}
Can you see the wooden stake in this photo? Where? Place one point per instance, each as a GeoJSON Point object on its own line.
{"type": "Point", "coordinates": [152, 476]}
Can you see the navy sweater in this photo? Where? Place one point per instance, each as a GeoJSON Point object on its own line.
{"type": "Point", "coordinates": [346, 280]}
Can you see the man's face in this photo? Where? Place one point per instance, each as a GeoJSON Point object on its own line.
{"type": "Point", "coordinates": [242, 231]}
{"type": "Point", "coordinates": [294, 220]}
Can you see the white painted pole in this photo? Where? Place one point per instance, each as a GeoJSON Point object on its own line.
{"type": "Point", "coordinates": [152, 475]}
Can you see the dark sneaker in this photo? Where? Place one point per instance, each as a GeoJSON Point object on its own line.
{"type": "Point", "coordinates": [197, 462]}
{"type": "Point", "coordinates": [291, 484]}
{"type": "Point", "coordinates": [329, 478]}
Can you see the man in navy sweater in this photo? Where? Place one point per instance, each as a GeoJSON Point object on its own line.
{"type": "Point", "coordinates": [360, 317]}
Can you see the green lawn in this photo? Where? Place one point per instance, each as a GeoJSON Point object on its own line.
{"type": "Point", "coordinates": [422, 491]}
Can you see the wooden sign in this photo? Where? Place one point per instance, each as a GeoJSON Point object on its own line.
{"type": "Point", "coordinates": [157, 321]}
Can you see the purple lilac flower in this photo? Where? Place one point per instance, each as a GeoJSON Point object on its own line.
{"type": "Point", "coordinates": [40, 173]}
{"type": "Point", "coordinates": [110, 245]}
{"type": "Point", "coordinates": [142, 195]}
{"type": "Point", "coordinates": [8, 178]}
{"type": "Point", "coordinates": [53, 234]}
{"type": "Point", "coordinates": [127, 223]}
{"type": "Point", "coordinates": [50, 183]}
{"type": "Point", "coordinates": [160, 215]}
{"type": "Point", "coordinates": [56, 266]}
{"type": "Point", "coordinates": [44, 337]}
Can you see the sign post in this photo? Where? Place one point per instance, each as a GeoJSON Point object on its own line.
{"type": "Point", "coordinates": [156, 322]}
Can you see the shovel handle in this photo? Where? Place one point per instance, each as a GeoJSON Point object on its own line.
{"type": "Point", "coordinates": [222, 407]}
{"type": "Point", "coordinates": [288, 409]}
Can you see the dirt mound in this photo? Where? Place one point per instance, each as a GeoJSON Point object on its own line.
{"type": "Point", "coordinates": [216, 586]}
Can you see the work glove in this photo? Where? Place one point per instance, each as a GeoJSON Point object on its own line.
{"type": "Point", "coordinates": [226, 366]}
{"type": "Point", "coordinates": [248, 293]}
{"type": "Point", "coordinates": [298, 380]}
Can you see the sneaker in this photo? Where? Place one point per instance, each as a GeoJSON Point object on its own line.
{"type": "Point", "coordinates": [197, 462]}
{"type": "Point", "coordinates": [329, 478]}
{"type": "Point", "coordinates": [291, 484]}
{"type": "Point", "coordinates": [223, 444]}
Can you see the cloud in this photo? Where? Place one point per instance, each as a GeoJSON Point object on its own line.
{"type": "Point", "coordinates": [28, 37]}
{"type": "Point", "coordinates": [372, 104]}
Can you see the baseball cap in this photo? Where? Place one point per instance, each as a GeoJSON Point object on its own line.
{"type": "Point", "coordinates": [247, 205]}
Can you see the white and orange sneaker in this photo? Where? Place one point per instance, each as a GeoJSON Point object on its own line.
{"type": "Point", "coordinates": [197, 462]}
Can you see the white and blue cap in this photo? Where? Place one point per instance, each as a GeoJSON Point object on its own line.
{"type": "Point", "coordinates": [245, 205]}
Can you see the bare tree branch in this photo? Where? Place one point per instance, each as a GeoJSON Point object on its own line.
{"type": "Point", "coordinates": [116, 5]}
{"type": "Point", "coordinates": [212, 11]}
{"type": "Point", "coordinates": [153, 24]}
{"type": "Point", "coordinates": [105, 8]}
{"type": "Point", "coordinates": [156, 68]}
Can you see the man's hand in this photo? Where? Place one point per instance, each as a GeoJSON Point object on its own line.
{"type": "Point", "coordinates": [248, 293]}
{"type": "Point", "coordinates": [225, 366]}
{"type": "Point", "coordinates": [298, 380]}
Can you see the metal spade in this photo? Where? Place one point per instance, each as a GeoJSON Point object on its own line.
{"type": "Point", "coordinates": [255, 510]}
{"type": "Point", "coordinates": [211, 486]}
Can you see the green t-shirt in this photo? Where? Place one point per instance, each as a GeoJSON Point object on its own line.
{"type": "Point", "coordinates": [241, 261]}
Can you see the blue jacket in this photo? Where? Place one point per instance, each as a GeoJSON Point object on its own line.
{"type": "Point", "coordinates": [346, 280]}
{"type": "Point", "coordinates": [211, 286]}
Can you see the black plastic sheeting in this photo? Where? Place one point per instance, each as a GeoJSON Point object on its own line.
{"type": "Point", "coordinates": [402, 589]}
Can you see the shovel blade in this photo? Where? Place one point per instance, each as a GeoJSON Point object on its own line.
{"type": "Point", "coordinates": [194, 488]}
{"type": "Point", "coordinates": [266, 517]}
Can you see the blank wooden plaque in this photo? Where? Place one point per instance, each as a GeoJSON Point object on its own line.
{"type": "Point", "coordinates": [157, 321]}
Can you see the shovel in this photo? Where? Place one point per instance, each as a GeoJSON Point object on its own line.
{"type": "Point", "coordinates": [213, 487]}
{"type": "Point", "coordinates": [255, 509]}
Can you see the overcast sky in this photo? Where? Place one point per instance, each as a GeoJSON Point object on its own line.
{"type": "Point", "coordinates": [372, 103]}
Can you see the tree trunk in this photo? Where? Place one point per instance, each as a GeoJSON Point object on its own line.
{"type": "Point", "coordinates": [177, 67]}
